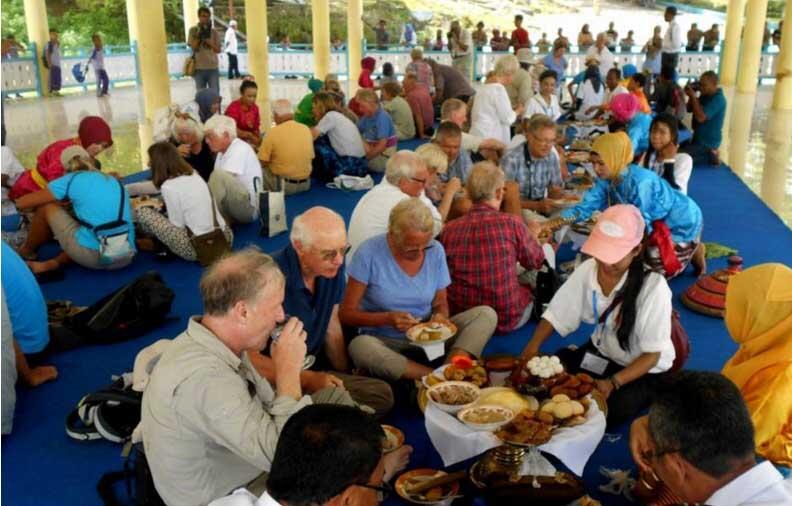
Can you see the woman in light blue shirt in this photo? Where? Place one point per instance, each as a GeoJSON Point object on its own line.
{"type": "Point", "coordinates": [396, 281]}
{"type": "Point", "coordinates": [97, 234]}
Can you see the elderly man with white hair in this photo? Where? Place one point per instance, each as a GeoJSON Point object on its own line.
{"type": "Point", "coordinates": [492, 114]}
{"type": "Point", "coordinates": [287, 152]}
{"type": "Point", "coordinates": [236, 169]}
{"type": "Point", "coordinates": [313, 264]}
{"type": "Point", "coordinates": [406, 176]}
{"type": "Point", "coordinates": [601, 53]}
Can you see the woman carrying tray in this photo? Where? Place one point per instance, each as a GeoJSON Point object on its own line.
{"type": "Point", "coordinates": [631, 349]}
{"type": "Point", "coordinates": [397, 280]}
{"type": "Point", "coordinates": [673, 220]}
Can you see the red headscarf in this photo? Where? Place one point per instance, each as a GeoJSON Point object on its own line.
{"type": "Point", "coordinates": [368, 63]}
{"type": "Point", "coordinates": [94, 130]}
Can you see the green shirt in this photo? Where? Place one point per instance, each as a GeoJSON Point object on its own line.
{"type": "Point", "coordinates": [304, 112]}
{"type": "Point", "coordinates": [402, 117]}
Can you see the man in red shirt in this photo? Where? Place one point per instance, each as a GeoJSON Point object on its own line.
{"type": "Point", "coordinates": [519, 37]}
{"type": "Point", "coordinates": [417, 95]}
{"type": "Point", "coordinates": [483, 249]}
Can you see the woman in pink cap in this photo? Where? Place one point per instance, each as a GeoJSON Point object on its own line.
{"type": "Point", "coordinates": [630, 350]}
{"type": "Point", "coordinates": [93, 135]}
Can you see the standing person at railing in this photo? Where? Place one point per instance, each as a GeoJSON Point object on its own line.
{"type": "Point", "coordinates": [627, 43]}
{"type": "Point", "coordinates": [382, 36]}
{"type": "Point", "coordinates": [97, 60]}
{"type": "Point", "coordinates": [231, 49]}
{"type": "Point", "coordinates": [613, 36]}
{"type": "Point", "coordinates": [711, 38]}
{"type": "Point", "coordinates": [205, 43]}
{"type": "Point", "coordinates": [480, 36]}
{"type": "Point", "coordinates": [498, 42]}
{"type": "Point", "coordinates": [694, 37]}
{"type": "Point", "coordinates": [52, 56]}
{"type": "Point", "coordinates": [11, 47]}
{"type": "Point", "coordinates": [585, 39]}
{"type": "Point", "coordinates": [672, 40]}
{"type": "Point", "coordinates": [519, 36]}
{"type": "Point", "coordinates": [460, 43]}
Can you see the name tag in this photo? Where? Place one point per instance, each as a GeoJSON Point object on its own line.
{"type": "Point", "coordinates": [594, 364]}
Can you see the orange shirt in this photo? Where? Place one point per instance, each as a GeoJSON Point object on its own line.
{"type": "Point", "coordinates": [642, 101]}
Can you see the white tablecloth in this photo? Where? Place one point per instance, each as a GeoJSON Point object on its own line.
{"type": "Point", "coordinates": [456, 442]}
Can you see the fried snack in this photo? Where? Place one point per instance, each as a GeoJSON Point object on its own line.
{"type": "Point", "coordinates": [526, 428]}
{"type": "Point", "coordinates": [574, 387]}
{"type": "Point", "coordinates": [476, 374]}
{"type": "Point", "coordinates": [454, 395]}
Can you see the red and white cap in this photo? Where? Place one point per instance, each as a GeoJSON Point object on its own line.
{"type": "Point", "coordinates": [618, 231]}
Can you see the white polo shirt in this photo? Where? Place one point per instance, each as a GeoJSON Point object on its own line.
{"type": "Point", "coordinates": [580, 299]}
{"type": "Point", "coordinates": [761, 485]}
{"type": "Point", "coordinates": [241, 161]}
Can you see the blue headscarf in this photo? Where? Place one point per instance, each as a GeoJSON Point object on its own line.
{"type": "Point", "coordinates": [629, 70]}
{"type": "Point", "coordinates": [205, 99]}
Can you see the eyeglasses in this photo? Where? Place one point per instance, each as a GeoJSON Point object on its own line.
{"type": "Point", "coordinates": [422, 181]}
{"type": "Point", "coordinates": [330, 254]}
{"type": "Point", "coordinates": [383, 491]}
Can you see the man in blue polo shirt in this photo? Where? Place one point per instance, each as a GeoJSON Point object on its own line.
{"type": "Point", "coordinates": [313, 266]}
{"type": "Point", "coordinates": [27, 311]}
{"type": "Point", "coordinates": [709, 111]}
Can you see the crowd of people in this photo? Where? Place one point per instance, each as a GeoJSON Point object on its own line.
{"type": "Point", "coordinates": [453, 233]}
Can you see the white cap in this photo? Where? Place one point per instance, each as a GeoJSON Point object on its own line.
{"type": "Point", "coordinates": [232, 23]}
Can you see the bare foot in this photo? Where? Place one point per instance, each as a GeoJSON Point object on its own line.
{"type": "Point", "coordinates": [42, 267]}
{"type": "Point", "coordinates": [39, 375]}
{"type": "Point", "coordinates": [396, 461]}
{"type": "Point", "coordinates": [699, 260]}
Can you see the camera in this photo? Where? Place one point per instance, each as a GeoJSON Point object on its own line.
{"type": "Point", "coordinates": [695, 86]}
{"type": "Point", "coordinates": [204, 32]}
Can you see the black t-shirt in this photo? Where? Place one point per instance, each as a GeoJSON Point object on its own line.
{"type": "Point", "coordinates": [203, 162]}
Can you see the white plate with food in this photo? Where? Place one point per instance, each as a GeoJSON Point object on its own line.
{"type": "Point", "coordinates": [453, 396]}
{"type": "Point", "coordinates": [407, 482]}
{"type": "Point", "coordinates": [394, 438]}
{"type": "Point", "coordinates": [485, 417]}
{"type": "Point", "coordinates": [431, 332]}
{"type": "Point", "coordinates": [460, 369]}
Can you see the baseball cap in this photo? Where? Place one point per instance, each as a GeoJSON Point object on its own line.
{"type": "Point", "coordinates": [617, 232]}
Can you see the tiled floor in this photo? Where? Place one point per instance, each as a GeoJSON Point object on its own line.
{"type": "Point", "coordinates": [34, 123]}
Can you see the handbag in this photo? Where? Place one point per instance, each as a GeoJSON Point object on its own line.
{"type": "Point", "coordinates": [113, 236]}
{"type": "Point", "coordinates": [272, 210]}
{"type": "Point", "coordinates": [189, 66]}
{"type": "Point", "coordinates": [679, 336]}
{"type": "Point", "coordinates": [547, 284]}
{"type": "Point", "coordinates": [211, 245]}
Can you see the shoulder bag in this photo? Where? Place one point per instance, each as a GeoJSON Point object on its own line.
{"type": "Point", "coordinates": [211, 245]}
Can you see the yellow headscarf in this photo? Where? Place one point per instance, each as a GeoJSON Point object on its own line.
{"type": "Point", "coordinates": [759, 318]}
{"type": "Point", "coordinates": [615, 150]}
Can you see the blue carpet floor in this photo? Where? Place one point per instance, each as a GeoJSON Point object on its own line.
{"type": "Point", "coordinates": [42, 466]}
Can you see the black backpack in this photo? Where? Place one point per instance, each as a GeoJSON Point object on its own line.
{"type": "Point", "coordinates": [137, 477]}
{"type": "Point", "coordinates": [126, 313]}
{"type": "Point", "coordinates": [44, 61]}
{"type": "Point", "coordinates": [547, 284]}
{"type": "Point", "coordinates": [111, 413]}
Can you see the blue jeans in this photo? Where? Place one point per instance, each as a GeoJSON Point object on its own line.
{"type": "Point", "coordinates": [102, 82]}
{"type": "Point", "coordinates": [207, 78]}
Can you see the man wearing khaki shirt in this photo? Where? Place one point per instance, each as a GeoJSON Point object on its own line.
{"type": "Point", "coordinates": [210, 422]}
{"type": "Point", "coordinates": [205, 43]}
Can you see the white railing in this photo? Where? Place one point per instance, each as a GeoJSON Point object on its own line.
{"type": "Point", "coordinates": [22, 74]}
